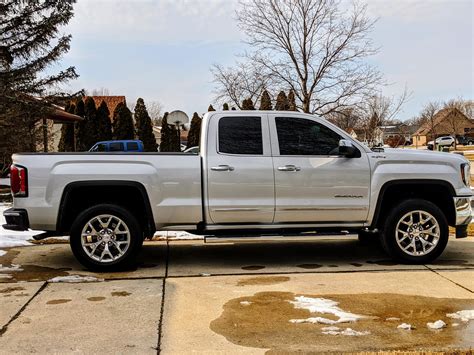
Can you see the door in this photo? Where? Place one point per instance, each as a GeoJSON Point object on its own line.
{"type": "Point", "coordinates": [240, 182]}
{"type": "Point", "coordinates": [313, 183]}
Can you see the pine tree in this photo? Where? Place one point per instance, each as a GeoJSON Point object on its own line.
{"type": "Point", "coordinates": [66, 143]}
{"type": "Point", "coordinates": [265, 101]}
{"type": "Point", "coordinates": [31, 40]}
{"type": "Point", "coordinates": [194, 135]}
{"type": "Point", "coordinates": [80, 130]}
{"type": "Point", "coordinates": [175, 140]}
{"type": "Point", "coordinates": [225, 107]}
{"type": "Point", "coordinates": [282, 102]}
{"type": "Point", "coordinates": [210, 108]}
{"type": "Point", "coordinates": [123, 123]}
{"type": "Point", "coordinates": [91, 126]}
{"type": "Point", "coordinates": [165, 134]}
{"type": "Point", "coordinates": [247, 104]}
{"type": "Point", "coordinates": [291, 101]}
{"type": "Point", "coordinates": [104, 126]}
{"type": "Point", "coordinates": [144, 127]}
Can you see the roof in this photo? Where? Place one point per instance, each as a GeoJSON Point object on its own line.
{"type": "Point", "coordinates": [111, 101]}
{"type": "Point", "coordinates": [438, 118]}
{"type": "Point", "coordinates": [58, 115]}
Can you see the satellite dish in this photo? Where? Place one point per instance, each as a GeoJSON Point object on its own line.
{"type": "Point", "coordinates": [178, 118]}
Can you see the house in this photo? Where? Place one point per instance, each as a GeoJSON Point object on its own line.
{"type": "Point", "coordinates": [398, 130]}
{"type": "Point", "coordinates": [111, 101]}
{"type": "Point", "coordinates": [448, 121]}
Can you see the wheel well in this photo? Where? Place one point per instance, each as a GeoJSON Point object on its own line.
{"type": "Point", "coordinates": [79, 196]}
{"type": "Point", "coordinates": [438, 192]}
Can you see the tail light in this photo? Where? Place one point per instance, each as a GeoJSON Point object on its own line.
{"type": "Point", "coordinates": [18, 181]}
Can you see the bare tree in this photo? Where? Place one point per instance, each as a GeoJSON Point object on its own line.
{"type": "Point", "coordinates": [346, 118]}
{"type": "Point", "coordinates": [377, 110]}
{"type": "Point", "coordinates": [155, 110]}
{"type": "Point", "coordinates": [314, 48]}
{"type": "Point", "coordinates": [100, 92]}
{"type": "Point", "coordinates": [234, 84]}
{"type": "Point", "coordinates": [427, 116]}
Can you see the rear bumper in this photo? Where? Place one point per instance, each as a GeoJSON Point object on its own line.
{"type": "Point", "coordinates": [17, 219]}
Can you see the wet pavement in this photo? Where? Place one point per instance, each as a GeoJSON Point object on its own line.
{"type": "Point", "coordinates": [187, 296]}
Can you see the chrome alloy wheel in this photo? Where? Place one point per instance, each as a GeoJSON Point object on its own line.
{"type": "Point", "coordinates": [105, 238]}
{"type": "Point", "coordinates": [417, 233]}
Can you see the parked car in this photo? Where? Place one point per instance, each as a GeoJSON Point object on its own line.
{"type": "Point", "coordinates": [192, 150]}
{"type": "Point", "coordinates": [258, 174]}
{"type": "Point", "coordinates": [445, 141]}
{"type": "Point", "coordinates": [118, 146]}
{"type": "Point", "coordinates": [463, 140]}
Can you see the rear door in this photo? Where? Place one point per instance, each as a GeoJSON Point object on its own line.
{"type": "Point", "coordinates": [313, 183]}
{"type": "Point", "coordinates": [240, 182]}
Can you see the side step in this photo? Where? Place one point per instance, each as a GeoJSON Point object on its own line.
{"type": "Point", "coordinates": [274, 238]}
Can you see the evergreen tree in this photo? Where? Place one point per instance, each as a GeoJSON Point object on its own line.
{"type": "Point", "coordinates": [194, 134]}
{"type": "Point", "coordinates": [265, 101]}
{"type": "Point", "coordinates": [175, 140]}
{"type": "Point", "coordinates": [225, 107]}
{"type": "Point", "coordinates": [247, 104]}
{"type": "Point", "coordinates": [104, 126]}
{"type": "Point", "coordinates": [123, 123]}
{"type": "Point", "coordinates": [31, 40]}
{"type": "Point", "coordinates": [291, 101]}
{"type": "Point", "coordinates": [80, 131]}
{"type": "Point", "coordinates": [210, 108]}
{"type": "Point", "coordinates": [165, 134]}
{"type": "Point", "coordinates": [144, 127]}
{"type": "Point", "coordinates": [282, 102]}
{"type": "Point", "coordinates": [91, 126]}
{"type": "Point", "coordinates": [66, 143]}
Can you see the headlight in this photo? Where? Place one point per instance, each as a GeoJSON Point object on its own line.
{"type": "Point", "coordinates": [466, 174]}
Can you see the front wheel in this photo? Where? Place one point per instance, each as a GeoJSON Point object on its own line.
{"type": "Point", "coordinates": [105, 238]}
{"type": "Point", "coordinates": [416, 232]}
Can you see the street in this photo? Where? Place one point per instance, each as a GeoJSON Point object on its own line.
{"type": "Point", "coordinates": [187, 296]}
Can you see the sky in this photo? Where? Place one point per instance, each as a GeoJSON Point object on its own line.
{"type": "Point", "coordinates": [162, 50]}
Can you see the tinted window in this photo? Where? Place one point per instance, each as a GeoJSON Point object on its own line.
{"type": "Point", "coordinates": [299, 136]}
{"type": "Point", "coordinates": [240, 135]}
{"type": "Point", "coordinates": [132, 146]}
{"type": "Point", "coordinates": [101, 148]}
{"type": "Point", "coordinates": [116, 147]}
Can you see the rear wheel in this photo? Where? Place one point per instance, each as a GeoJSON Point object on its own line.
{"type": "Point", "coordinates": [416, 232]}
{"type": "Point", "coordinates": [106, 238]}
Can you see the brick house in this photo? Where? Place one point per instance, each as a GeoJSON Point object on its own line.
{"type": "Point", "coordinates": [448, 121]}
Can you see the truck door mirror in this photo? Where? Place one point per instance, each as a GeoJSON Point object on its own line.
{"type": "Point", "coordinates": [347, 149]}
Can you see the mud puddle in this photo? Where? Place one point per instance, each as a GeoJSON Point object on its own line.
{"type": "Point", "coordinates": [263, 321]}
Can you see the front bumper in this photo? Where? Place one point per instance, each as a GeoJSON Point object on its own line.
{"type": "Point", "coordinates": [463, 215]}
{"type": "Point", "coordinates": [17, 219]}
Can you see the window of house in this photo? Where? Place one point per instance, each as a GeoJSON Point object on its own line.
{"type": "Point", "coordinates": [240, 135]}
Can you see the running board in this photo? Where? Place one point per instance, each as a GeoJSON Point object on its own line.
{"type": "Point", "coordinates": [273, 238]}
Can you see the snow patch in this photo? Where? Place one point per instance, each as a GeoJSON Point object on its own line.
{"type": "Point", "coordinates": [323, 306]}
{"type": "Point", "coordinates": [439, 324]}
{"type": "Point", "coordinates": [329, 329]}
{"type": "Point", "coordinates": [405, 326]}
{"type": "Point", "coordinates": [245, 303]}
{"type": "Point", "coordinates": [347, 331]}
{"type": "Point", "coordinates": [464, 315]}
{"type": "Point", "coordinates": [13, 267]}
{"type": "Point", "coordinates": [10, 239]}
{"type": "Point", "coordinates": [75, 279]}
{"type": "Point", "coordinates": [391, 319]}
{"type": "Point", "coordinates": [2, 252]}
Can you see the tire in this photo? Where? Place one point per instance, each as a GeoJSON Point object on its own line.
{"type": "Point", "coordinates": [396, 239]}
{"type": "Point", "coordinates": [113, 228]}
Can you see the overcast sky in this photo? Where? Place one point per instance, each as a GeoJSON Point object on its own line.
{"type": "Point", "coordinates": [162, 50]}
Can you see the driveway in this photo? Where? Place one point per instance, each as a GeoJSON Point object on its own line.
{"type": "Point", "coordinates": [331, 295]}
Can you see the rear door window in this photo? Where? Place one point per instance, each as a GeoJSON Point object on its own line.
{"type": "Point", "coordinates": [133, 146]}
{"type": "Point", "coordinates": [241, 135]}
{"type": "Point", "coordinates": [116, 147]}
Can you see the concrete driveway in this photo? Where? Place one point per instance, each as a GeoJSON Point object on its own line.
{"type": "Point", "coordinates": [187, 296]}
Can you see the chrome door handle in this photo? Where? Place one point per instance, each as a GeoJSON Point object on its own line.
{"type": "Point", "coordinates": [222, 168]}
{"type": "Point", "coordinates": [289, 168]}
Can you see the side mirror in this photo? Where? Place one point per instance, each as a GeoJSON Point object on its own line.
{"type": "Point", "coordinates": [347, 149]}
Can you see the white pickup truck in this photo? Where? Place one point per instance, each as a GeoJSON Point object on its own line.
{"type": "Point", "coordinates": [259, 175]}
